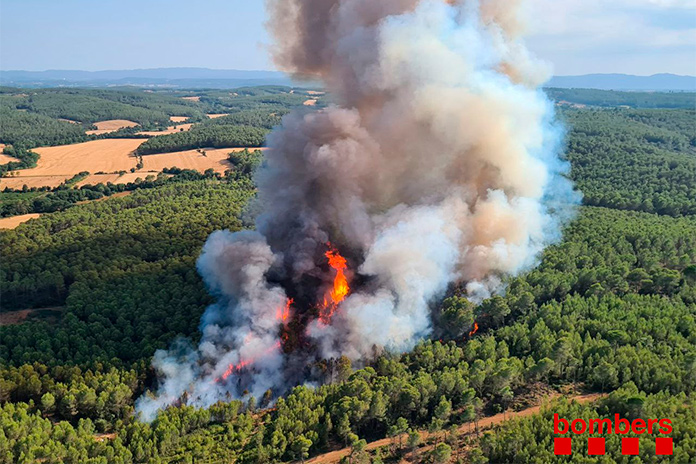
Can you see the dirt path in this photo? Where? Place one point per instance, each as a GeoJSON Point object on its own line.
{"type": "Point", "coordinates": [463, 430]}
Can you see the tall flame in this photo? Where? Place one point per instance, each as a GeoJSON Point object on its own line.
{"type": "Point", "coordinates": [476, 327]}
{"type": "Point", "coordinates": [283, 313]}
{"type": "Point", "coordinates": [340, 288]}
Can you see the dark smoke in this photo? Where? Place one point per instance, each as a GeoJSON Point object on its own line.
{"type": "Point", "coordinates": [438, 165]}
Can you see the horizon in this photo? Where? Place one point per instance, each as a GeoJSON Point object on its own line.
{"type": "Point", "coordinates": [636, 37]}
{"type": "Point", "coordinates": [281, 72]}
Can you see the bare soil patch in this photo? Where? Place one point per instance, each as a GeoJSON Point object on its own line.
{"type": "Point", "coordinates": [12, 223]}
{"type": "Point", "coordinates": [18, 317]}
{"type": "Point", "coordinates": [195, 99]}
{"type": "Point", "coordinates": [105, 436]}
{"type": "Point", "coordinates": [178, 118]}
{"type": "Point", "coordinates": [104, 127]}
{"type": "Point", "coordinates": [215, 116]}
{"type": "Point", "coordinates": [310, 102]}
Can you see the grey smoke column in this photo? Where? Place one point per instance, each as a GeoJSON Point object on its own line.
{"type": "Point", "coordinates": [438, 164]}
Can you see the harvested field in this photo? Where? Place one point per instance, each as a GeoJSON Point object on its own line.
{"type": "Point", "coordinates": [195, 99]}
{"type": "Point", "coordinates": [111, 155]}
{"type": "Point", "coordinates": [17, 182]}
{"type": "Point", "coordinates": [58, 164]}
{"type": "Point", "coordinates": [314, 92]}
{"type": "Point", "coordinates": [170, 130]}
{"type": "Point", "coordinates": [178, 118]}
{"type": "Point", "coordinates": [4, 159]}
{"type": "Point", "coordinates": [13, 222]}
{"type": "Point", "coordinates": [215, 158]}
{"type": "Point", "coordinates": [69, 120]}
{"type": "Point", "coordinates": [310, 102]}
{"type": "Point", "coordinates": [104, 127]}
{"type": "Point", "coordinates": [215, 116]}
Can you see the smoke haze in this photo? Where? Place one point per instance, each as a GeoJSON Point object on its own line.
{"type": "Point", "coordinates": [438, 164]}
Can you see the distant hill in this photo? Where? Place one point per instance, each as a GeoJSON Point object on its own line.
{"type": "Point", "coordinates": [657, 82]}
{"type": "Point", "coordinates": [160, 77]}
{"type": "Point", "coordinates": [191, 78]}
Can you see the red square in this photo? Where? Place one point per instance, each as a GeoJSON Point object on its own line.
{"type": "Point", "coordinates": [595, 446]}
{"type": "Point", "coordinates": [664, 446]}
{"type": "Point", "coordinates": [562, 446]}
{"type": "Point", "coordinates": [630, 446]}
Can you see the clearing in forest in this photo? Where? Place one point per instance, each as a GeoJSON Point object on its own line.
{"type": "Point", "coordinates": [13, 222]}
{"type": "Point", "coordinates": [178, 118]}
{"type": "Point", "coordinates": [17, 317]}
{"type": "Point", "coordinates": [215, 116]}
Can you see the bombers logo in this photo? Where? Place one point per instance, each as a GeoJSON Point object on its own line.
{"type": "Point", "coordinates": [619, 426]}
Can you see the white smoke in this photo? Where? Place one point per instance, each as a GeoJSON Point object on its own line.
{"type": "Point", "coordinates": [440, 164]}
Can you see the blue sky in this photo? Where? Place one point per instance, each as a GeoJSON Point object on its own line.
{"type": "Point", "coordinates": [577, 36]}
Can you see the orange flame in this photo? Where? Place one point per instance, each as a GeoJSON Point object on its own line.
{"type": "Point", "coordinates": [240, 366]}
{"type": "Point", "coordinates": [476, 327]}
{"type": "Point", "coordinates": [283, 313]}
{"type": "Point", "coordinates": [340, 286]}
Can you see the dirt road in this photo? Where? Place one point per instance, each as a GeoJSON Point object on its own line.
{"type": "Point", "coordinates": [484, 423]}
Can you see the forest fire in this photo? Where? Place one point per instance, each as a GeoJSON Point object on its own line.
{"type": "Point", "coordinates": [340, 288]}
{"type": "Point", "coordinates": [284, 313]}
{"type": "Point", "coordinates": [474, 330]}
{"type": "Point", "coordinates": [490, 196]}
{"type": "Point", "coordinates": [240, 366]}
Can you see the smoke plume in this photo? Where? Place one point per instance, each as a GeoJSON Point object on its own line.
{"type": "Point", "coordinates": [437, 164]}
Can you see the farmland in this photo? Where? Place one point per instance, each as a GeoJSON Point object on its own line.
{"type": "Point", "coordinates": [197, 160]}
{"type": "Point", "coordinates": [15, 221]}
{"type": "Point", "coordinates": [105, 127]}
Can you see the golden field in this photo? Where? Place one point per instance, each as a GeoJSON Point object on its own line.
{"type": "Point", "coordinates": [13, 222]}
{"type": "Point", "coordinates": [215, 158]}
{"type": "Point", "coordinates": [104, 127]}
